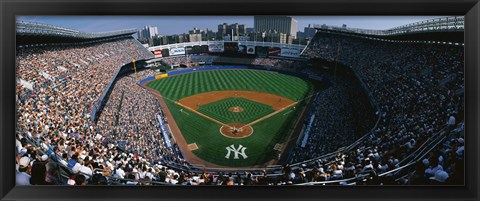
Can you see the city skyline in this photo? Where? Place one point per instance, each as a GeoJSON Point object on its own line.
{"type": "Point", "coordinates": [170, 25]}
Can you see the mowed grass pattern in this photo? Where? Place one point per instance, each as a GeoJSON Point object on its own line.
{"type": "Point", "coordinates": [180, 86]}
{"type": "Point", "coordinates": [220, 110]}
{"type": "Point", "coordinates": [212, 145]}
{"type": "Point", "coordinates": [205, 133]}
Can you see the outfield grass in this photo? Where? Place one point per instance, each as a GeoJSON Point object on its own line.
{"type": "Point", "coordinates": [185, 85]}
{"type": "Point", "coordinates": [251, 110]}
{"type": "Point", "coordinates": [205, 133]}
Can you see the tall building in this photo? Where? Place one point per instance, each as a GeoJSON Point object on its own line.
{"type": "Point", "coordinates": [310, 31]}
{"type": "Point", "coordinates": [148, 34]}
{"type": "Point", "coordinates": [195, 31]}
{"type": "Point", "coordinates": [275, 37]}
{"type": "Point", "coordinates": [222, 29]}
{"type": "Point", "coordinates": [236, 30]}
{"type": "Point", "coordinates": [281, 24]}
{"type": "Point", "coordinates": [209, 35]}
{"type": "Point", "coordinates": [195, 35]}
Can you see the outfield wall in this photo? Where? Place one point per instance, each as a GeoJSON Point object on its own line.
{"type": "Point", "coordinates": [227, 67]}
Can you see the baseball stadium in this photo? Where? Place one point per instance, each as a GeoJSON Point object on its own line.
{"type": "Point", "coordinates": [350, 107]}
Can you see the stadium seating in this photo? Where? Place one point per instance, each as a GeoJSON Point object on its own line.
{"type": "Point", "coordinates": [414, 131]}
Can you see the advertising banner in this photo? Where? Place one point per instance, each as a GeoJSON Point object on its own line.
{"type": "Point", "coordinates": [157, 77]}
{"type": "Point", "coordinates": [177, 51]}
{"type": "Point", "coordinates": [157, 53]}
{"type": "Point", "coordinates": [250, 49]}
{"type": "Point", "coordinates": [216, 47]}
{"type": "Point", "coordinates": [290, 53]}
{"type": "Point", "coordinates": [274, 51]}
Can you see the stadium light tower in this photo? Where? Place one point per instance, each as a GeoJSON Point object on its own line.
{"type": "Point", "coordinates": [135, 69]}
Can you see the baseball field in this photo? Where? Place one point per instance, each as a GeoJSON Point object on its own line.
{"type": "Point", "coordinates": [232, 118]}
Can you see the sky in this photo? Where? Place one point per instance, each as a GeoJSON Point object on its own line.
{"type": "Point", "coordinates": [168, 25]}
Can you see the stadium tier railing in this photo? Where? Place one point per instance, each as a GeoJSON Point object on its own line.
{"type": "Point", "coordinates": [372, 37]}
{"type": "Point", "coordinates": [33, 28]}
{"type": "Point", "coordinates": [455, 23]}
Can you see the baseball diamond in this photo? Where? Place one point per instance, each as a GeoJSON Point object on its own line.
{"type": "Point", "coordinates": [252, 109]}
{"type": "Point", "coordinates": [220, 110]}
{"type": "Point", "coordinates": [337, 106]}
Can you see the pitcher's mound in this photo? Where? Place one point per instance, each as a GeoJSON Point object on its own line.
{"type": "Point", "coordinates": [235, 109]}
{"type": "Point", "coordinates": [236, 130]}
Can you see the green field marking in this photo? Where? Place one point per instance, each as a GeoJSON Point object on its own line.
{"type": "Point", "coordinates": [205, 133]}
{"type": "Point", "coordinates": [219, 110]}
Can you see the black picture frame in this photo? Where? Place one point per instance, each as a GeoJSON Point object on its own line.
{"type": "Point", "coordinates": [10, 8]}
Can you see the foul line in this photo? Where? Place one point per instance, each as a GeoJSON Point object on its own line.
{"type": "Point", "coordinates": [287, 112]}
{"type": "Point", "coordinates": [210, 118]}
{"type": "Point", "coordinates": [269, 115]}
{"type": "Point", "coordinates": [184, 112]}
{"type": "Point", "coordinates": [249, 124]}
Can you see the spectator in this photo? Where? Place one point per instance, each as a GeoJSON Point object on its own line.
{"type": "Point", "coordinates": [39, 173]}
{"type": "Point", "coordinates": [80, 180]}
{"type": "Point", "coordinates": [23, 175]}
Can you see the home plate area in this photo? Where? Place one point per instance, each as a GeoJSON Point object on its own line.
{"type": "Point", "coordinates": [236, 130]}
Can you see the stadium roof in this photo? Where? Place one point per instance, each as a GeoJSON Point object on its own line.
{"type": "Point", "coordinates": [433, 25]}
{"type": "Point", "coordinates": [37, 33]}
{"type": "Point", "coordinates": [447, 29]}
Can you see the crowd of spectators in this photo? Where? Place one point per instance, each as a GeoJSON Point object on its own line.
{"type": "Point", "coordinates": [336, 123]}
{"type": "Point", "coordinates": [55, 113]}
{"type": "Point", "coordinates": [186, 59]}
{"type": "Point", "coordinates": [278, 63]}
{"type": "Point", "coordinates": [414, 87]}
{"type": "Point", "coordinates": [130, 116]}
{"type": "Point", "coordinates": [208, 59]}
{"type": "Point", "coordinates": [177, 60]}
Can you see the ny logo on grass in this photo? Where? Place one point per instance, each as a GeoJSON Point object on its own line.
{"type": "Point", "coordinates": [236, 151]}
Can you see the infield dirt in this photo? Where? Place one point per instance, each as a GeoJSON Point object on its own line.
{"type": "Point", "coordinates": [197, 100]}
{"type": "Point", "coordinates": [278, 103]}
